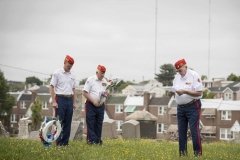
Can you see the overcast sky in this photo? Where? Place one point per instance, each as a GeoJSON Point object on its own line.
{"type": "Point", "coordinates": [120, 34]}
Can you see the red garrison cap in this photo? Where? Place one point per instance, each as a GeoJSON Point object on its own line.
{"type": "Point", "coordinates": [69, 59]}
{"type": "Point", "coordinates": [101, 68]}
{"type": "Point", "coordinates": [180, 63]}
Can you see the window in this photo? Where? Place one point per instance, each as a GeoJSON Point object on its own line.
{"type": "Point", "coordinates": [226, 115]}
{"type": "Point", "coordinates": [13, 118]}
{"type": "Point", "coordinates": [226, 134]}
{"type": "Point", "coordinates": [118, 108]}
{"type": "Point", "coordinates": [210, 116]}
{"type": "Point", "coordinates": [22, 116]}
{"type": "Point", "coordinates": [44, 105]}
{"type": "Point", "coordinates": [119, 125]}
{"type": "Point", "coordinates": [161, 110]}
{"type": "Point", "coordinates": [22, 105]}
{"type": "Point", "coordinates": [161, 127]}
{"type": "Point", "coordinates": [130, 109]}
{"type": "Point", "coordinates": [209, 135]}
{"type": "Point", "coordinates": [228, 96]}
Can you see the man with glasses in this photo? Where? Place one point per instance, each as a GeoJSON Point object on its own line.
{"type": "Point", "coordinates": [187, 87]}
{"type": "Point", "coordinates": [94, 88]}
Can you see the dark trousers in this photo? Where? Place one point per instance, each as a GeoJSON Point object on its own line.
{"type": "Point", "coordinates": [64, 112]}
{"type": "Point", "coordinates": [94, 119]}
{"type": "Point", "coordinates": [189, 114]}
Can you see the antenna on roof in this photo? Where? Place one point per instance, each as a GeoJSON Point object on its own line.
{"type": "Point", "coordinates": [155, 57]}
{"type": "Point", "coordinates": [209, 38]}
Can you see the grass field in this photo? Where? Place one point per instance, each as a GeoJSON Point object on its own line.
{"type": "Point", "coordinates": [117, 149]}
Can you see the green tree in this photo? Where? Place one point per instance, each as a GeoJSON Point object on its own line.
{"type": "Point", "coordinates": [166, 75]}
{"type": "Point", "coordinates": [82, 82]}
{"type": "Point", "coordinates": [32, 80]}
{"type": "Point", "coordinates": [204, 77]}
{"type": "Point", "coordinates": [208, 95]}
{"type": "Point", "coordinates": [6, 102]}
{"type": "Point", "coordinates": [233, 77]}
{"type": "Point", "coordinates": [36, 114]}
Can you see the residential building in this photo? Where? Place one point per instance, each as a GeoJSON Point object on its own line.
{"type": "Point", "coordinates": [228, 92]}
{"type": "Point", "coordinates": [152, 86]}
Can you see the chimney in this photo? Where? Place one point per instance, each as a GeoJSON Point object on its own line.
{"type": "Point", "coordinates": [146, 100]}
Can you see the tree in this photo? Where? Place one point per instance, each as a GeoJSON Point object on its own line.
{"type": "Point", "coordinates": [166, 75]}
{"type": "Point", "coordinates": [6, 102]}
{"type": "Point", "coordinates": [233, 77]}
{"type": "Point", "coordinates": [82, 82]}
{"type": "Point", "coordinates": [208, 95]}
{"type": "Point", "coordinates": [32, 80]}
{"type": "Point", "coordinates": [36, 114]}
{"type": "Point", "coordinates": [204, 77]}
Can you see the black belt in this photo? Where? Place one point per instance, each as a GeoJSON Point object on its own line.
{"type": "Point", "coordinates": [65, 96]}
{"type": "Point", "coordinates": [188, 104]}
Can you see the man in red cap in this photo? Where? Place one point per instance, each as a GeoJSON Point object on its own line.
{"type": "Point", "coordinates": [94, 88]}
{"type": "Point", "coordinates": [62, 90]}
{"type": "Point", "coordinates": [187, 87]}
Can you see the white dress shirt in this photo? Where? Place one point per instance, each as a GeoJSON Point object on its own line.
{"type": "Point", "coordinates": [191, 81]}
{"type": "Point", "coordinates": [95, 87]}
{"type": "Point", "coordinates": [63, 82]}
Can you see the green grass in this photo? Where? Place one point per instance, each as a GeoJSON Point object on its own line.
{"type": "Point", "coordinates": [117, 149]}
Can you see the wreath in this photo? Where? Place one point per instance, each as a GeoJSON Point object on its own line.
{"type": "Point", "coordinates": [50, 131]}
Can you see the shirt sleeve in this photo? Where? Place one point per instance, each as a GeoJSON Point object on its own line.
{"type": "Point", "coordinates": [197, 84]}
{"type": "Point", "coordinates": [53, 81]}
{"type": "Point", "coordinates": [74, 82]}
{"type": "Point", "coordinates": [173, 89]}
{"type": "Point", "coordinates": [87, 85]}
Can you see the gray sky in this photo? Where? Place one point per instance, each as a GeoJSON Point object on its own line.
{"type": "Point", "coordinates": [120, 34]}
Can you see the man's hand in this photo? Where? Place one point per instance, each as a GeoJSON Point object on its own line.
{"type": "Point", "coordinates": [96, 103]}
{"type": "Point", "coordinates": [181, 92]}
{"type": "Point", "coordinates": [106, 93]}
{"type": "Point", "coordinates": [54, 104]}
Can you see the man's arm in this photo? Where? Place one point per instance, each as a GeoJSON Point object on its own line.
{"type": "Point", "coordinates": [74, 99]}
{"type": "Point", "coordinates": [92, 100]}
{"type": "Point", "coordinates": [190, 93]}
{"type": "Point", "coordinates": [53, 95]}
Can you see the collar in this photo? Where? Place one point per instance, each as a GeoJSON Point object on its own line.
{"type": "Point", "coordinates": [96, 78]}
{"type": "Point", "coordinates": [185, 76]}
{"type": "Point", "coordinates": [63, 71]}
